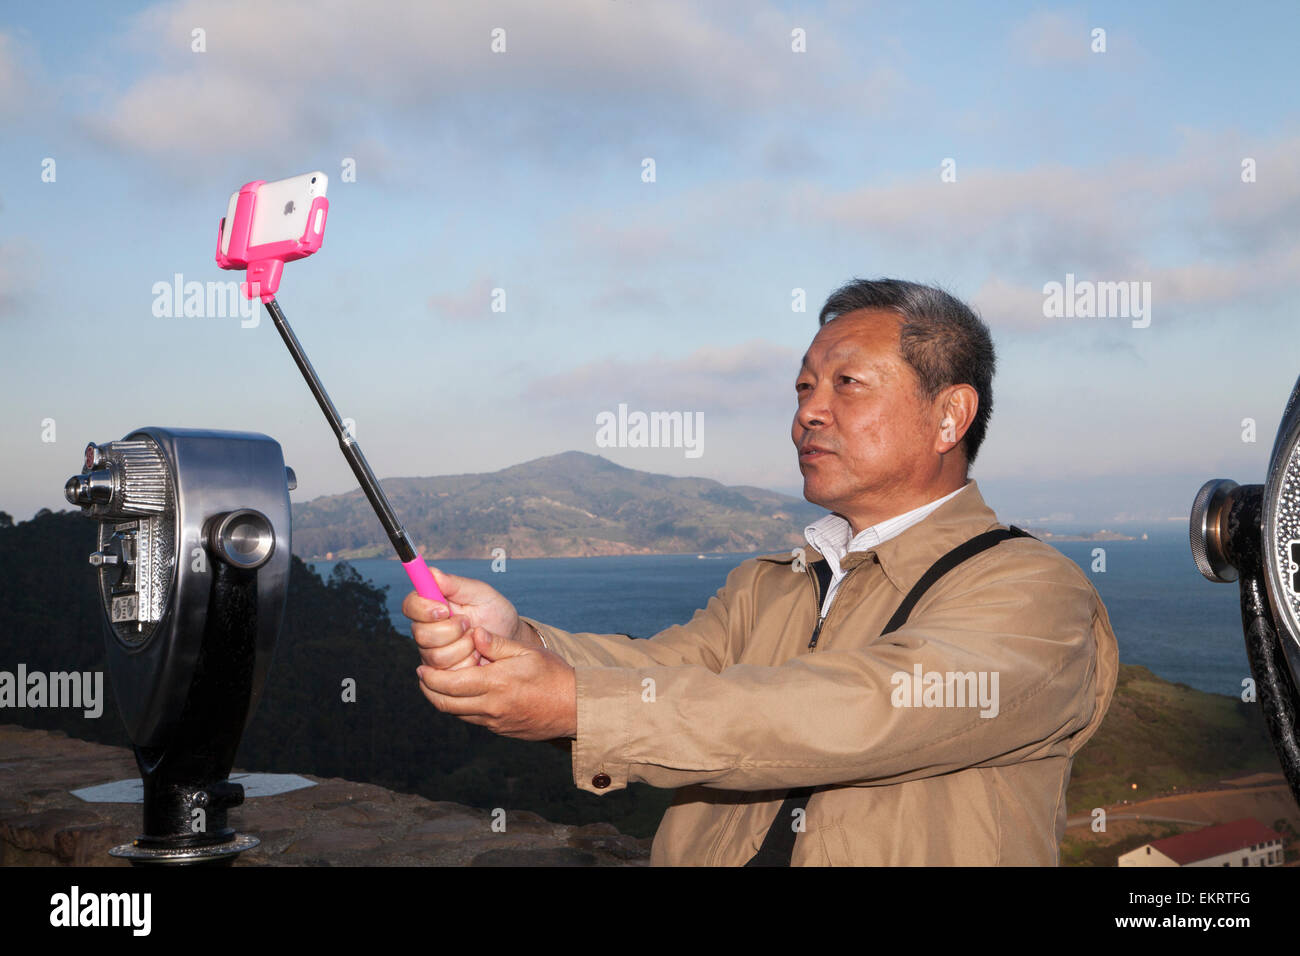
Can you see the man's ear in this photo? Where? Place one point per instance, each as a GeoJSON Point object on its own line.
{"type": "Point", "coordinates": [959, 403]}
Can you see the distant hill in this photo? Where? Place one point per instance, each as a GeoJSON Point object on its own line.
{"type": "Point", "coordinates": [567, 505]}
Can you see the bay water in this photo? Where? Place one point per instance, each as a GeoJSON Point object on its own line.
{"type": "Point", "coordinates": [1165, 615]}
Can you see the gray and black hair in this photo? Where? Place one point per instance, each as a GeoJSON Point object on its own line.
{"type": "Point", "coordinates": [941, 338]}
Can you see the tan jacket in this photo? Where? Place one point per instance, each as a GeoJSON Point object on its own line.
{"type": "Point", "coordinates": [734, 709]}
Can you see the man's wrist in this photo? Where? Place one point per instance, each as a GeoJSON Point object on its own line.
{"type": "Point", "coordinates": [527, 634]}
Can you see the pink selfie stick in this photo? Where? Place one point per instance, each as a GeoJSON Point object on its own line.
{"type": "Point", "coordinates": [264, 264]}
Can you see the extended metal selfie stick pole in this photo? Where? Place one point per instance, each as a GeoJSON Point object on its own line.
{"type": "Point", "coordinates": [422, 580]}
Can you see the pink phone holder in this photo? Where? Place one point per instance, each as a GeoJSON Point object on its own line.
{"type": "Point", "coordinates": [265, 262]}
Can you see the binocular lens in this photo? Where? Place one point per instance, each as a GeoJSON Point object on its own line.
{"type": "Point", "coordinates": [243, 539]}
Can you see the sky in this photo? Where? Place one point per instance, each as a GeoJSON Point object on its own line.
{"type": "Point", "coordinates": [650, 190]}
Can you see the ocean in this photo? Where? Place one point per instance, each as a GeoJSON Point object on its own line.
{"type": "Point", "coordinates": [1165, 615]}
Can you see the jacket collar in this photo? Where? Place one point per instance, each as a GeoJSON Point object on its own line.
{"type": "Point", "coordinates": [907, 556]}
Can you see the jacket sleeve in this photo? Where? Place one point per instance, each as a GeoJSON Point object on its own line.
{"type": "Point", "coordinates": [1023, 645]}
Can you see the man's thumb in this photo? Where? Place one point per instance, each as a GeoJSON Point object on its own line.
{"type": "Point", "coordinates": [495, 647]}
{"type": "Point", "coordinates": [448, 584]}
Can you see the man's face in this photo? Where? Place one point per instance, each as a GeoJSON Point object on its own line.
{"type": "Point", "coordinates": [863, 432]}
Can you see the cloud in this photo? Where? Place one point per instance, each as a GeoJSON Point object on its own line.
{"type": "Point", "coordinates": [621, 297]}
{"type": "Point", "coordinates": [16, 86]}
{"type": "Point", "coordinates": [573, 73]}
{"type": "Point", "coordinates": [602, 234]}
{"type": "Point", "coordinates": [1008, 305]}
{"type": "Point", "coordinates": [1036, 217]}
{"type": "Point", "coordinates": [692, 229]}
{"type": "Point", "coordinates": [19, 274]}
{"type": "Point", "coordinates": [751, 380]}
{"type": "Point", "coordinates": [1031, 226]}
{"type": "Point", "coordinates": [1205, 283]}
{"type": "Point", "coordinates": [473, 303]}
{"type": "Point", "coordinates": [785, 156]}
{"type": "Point", "coordinates": [1056, 38]}
{"type": "Point", "coordinates": [1053, 37]}
{"type": "Point", "coordinates": [1184, 221]}
{"type": "Point", "coordinates": [1176, 291]}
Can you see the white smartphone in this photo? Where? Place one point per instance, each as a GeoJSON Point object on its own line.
{"type": "Point", "coordinates": [281, 211]}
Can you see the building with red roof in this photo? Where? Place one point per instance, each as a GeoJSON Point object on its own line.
{"type": "Point", "coordinates": [1244, 842]}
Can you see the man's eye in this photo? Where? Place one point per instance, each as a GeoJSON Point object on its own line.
{"type": "Point", "coordinates": [848, 378]}
{"type": "Point", "coordinates": [800, 386]}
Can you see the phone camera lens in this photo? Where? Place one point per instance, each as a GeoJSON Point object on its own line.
{"type": "Point", "coordinates": [313, 179]}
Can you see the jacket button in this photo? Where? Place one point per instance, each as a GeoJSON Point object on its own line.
{"type": "Point", "coordinates": [600, 781]}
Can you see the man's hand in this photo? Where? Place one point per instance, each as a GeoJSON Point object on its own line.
{"type": "Point", "coordinates": [442, 634]}
{"type": "Point", "coordinates": [521, 691]}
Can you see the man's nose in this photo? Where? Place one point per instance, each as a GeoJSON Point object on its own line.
{"type": "Point", "coordinates": [814, 411]}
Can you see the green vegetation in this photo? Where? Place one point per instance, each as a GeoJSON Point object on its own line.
{"type": "Point", "coordinates": [1160, 736]}
{"type": "Point", "coordinates": [1088, 853]}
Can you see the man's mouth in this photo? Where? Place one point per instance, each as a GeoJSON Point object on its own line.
{"type": "Point", "coordinates": [812, 452]}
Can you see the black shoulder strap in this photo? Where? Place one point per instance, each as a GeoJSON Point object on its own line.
{"type": "Point", "coordinates": [967, 549]}
{"type": "Point", "coordinates": [778, 844]}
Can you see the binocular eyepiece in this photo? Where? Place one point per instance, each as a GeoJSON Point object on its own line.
{"type": "Point", "coordinates": [1251, 534]}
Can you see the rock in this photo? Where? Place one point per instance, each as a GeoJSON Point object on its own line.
{"type": "Point", "coordinates": [525, 821]}
{"type": "Point", "coordinates": [618, 845]}
{"type": "Point", "coordinates": [594, 829]}
{"type": "Point", "coordinates": [450, 828]}
{"type": "Point", "coordinates": [547, 856]}
{"type": "Point", "coordinates": [334, 843]}
{"type": "Point", "coordinates": [336, 822]}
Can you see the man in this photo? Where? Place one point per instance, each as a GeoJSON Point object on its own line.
{"type": "Point", "coordinates": [944, 738]}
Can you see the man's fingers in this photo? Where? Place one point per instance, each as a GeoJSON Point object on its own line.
{"type": "Point", "coordinates": [466, 708]}
{"type": "Point", "coordinates": [439, 634]}
{"type": "Point", "coordinates": [449, 655]}
{"type": "Point", "coordinates": [465, 593]}
{"type": "Point", "coordinates": [446, 644]}
{"type": "Point", "coordinates": [470, 661]}
{"type": "Point", "coordinates": [422, 609]}
{"type": "Point", "coordinates": [466, 682]}
{"type": "Point", "coordinates": [461, 594]}
{"type": "Point", "coordinates": [495, 647]}
{"type": "Point", "coordinates": [449, 584]}
{"type": "Point", "coordinates": [462, 591]}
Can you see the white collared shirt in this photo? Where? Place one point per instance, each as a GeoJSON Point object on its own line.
{"type": "Point", "coordinates": [830, 537]}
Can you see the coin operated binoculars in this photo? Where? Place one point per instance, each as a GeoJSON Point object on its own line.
{"type": "Point", "coordinates": [1251, 534]}
{"type": "Point", "coordinates": [193, 567]}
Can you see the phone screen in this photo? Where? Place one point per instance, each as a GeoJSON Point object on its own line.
{"type": "Point", "coordinates": [282, 208]}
